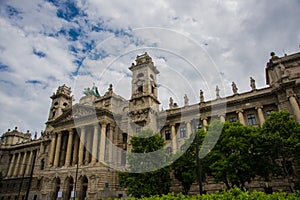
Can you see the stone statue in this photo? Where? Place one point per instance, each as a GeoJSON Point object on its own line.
{"type": "Point", "coordinates": [110, 90]}
{"type": "Point", "coordinates": [234, 88]}
{"type": "Point", "coordinates": [252, 83]}
{"type": "Point", "coordinates": [171, 104]}
{"type": "Point", "coordinates": [186, 100]}
{"type": "Point", "coordinates": [217, 92]}
{"type": "Point", "coordinates": [201, 96]}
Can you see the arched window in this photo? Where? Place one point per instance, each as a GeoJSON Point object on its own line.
{"type": "Point", "coordinates": [140, 75]}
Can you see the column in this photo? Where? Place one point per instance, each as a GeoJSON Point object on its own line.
{"type": "Point", "coordinates": [81, 145]}
{"type": "Point", "coordinates": [204, 123]}
{"type": "Point", "coordinates": [95, 143]}
{"type": "Point", "coordinates": [295, 106]}
{"type": "Point", "coordinates": [52, 148]}
{"type": "Point", "coordinates": [188, 128]}
{"type": "Point", "coordinates": [69, 148]}
{"type": "Point", "coordinates": [102, 143]}
{"type": "Point", "coordinates": [27, 173]}
{"type": "Point", "coordinates": [241, 117]}
{"type": "Point", "coordinates": [57, 149]}
{"type": "Point", "coordinates": [76, 146]}
{"type": "Point", "coordinates": [222, 118]}
{"type": "Point", "coordinates": [111, 144]}
{"type": "Point", "coordinates": [174, 139]}
{"type": "Point", "coordinates": [23, 165]}
{"type": "Point", "coordinates": [11, 164]}
{"type": "Point", "coordinates": [17, 165]}
{"type": "Point", "coordinates": [88, 147]}
{"type": "Point", "coordinates": [261, 116]}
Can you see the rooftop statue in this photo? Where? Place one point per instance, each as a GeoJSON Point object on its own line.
{"type": "Point", "coordinates": [93, 91]}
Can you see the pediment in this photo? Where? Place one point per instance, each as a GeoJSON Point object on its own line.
{"type": "Point", "coordinates": [75, 112]}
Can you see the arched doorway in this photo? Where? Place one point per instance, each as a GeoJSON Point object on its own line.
{"type": "Point", "coordinates": [69, 182]}
{"type": "Point", "coordinates": [56, 188]}
{"type": "Point", "coordinates": [83, 187]}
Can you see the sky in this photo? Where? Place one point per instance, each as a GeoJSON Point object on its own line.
{"type": "Point", "coordinates": [194, 44]}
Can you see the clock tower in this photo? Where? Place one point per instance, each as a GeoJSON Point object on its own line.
{"type": "Point", "coordinates": [144, 104]}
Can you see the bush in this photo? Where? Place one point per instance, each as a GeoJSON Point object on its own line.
{"type": "Point", "coordinates": [234, 193]}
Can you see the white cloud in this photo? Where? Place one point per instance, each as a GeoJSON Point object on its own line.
{"type": "Point", "coordinates": [204, 44]}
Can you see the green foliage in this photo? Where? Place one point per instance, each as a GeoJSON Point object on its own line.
{"type": "Point", "coordinates": [147, 154]}
{"type": "Point", "coordinates": [185, 168]}
{"type": "Point", "coordinates": [280, 139]}
{"type": "Point", "coordinates": [233, 160]}
{"type": "Point", "coordinates": [232, 194]}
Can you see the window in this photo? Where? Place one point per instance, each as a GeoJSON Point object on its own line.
{"type": "Point", "coordinates": [182, 148]}
{"type": "Point", "coordinates": [42, 164]}
{"type": "Point", "coordinates": [167, 135]}
{"type": "Point", "coordinates": [269, 112]}
{"type": "Point", "coordinates": [251, 119]}
{"type": "Point", "coordinates": [140, 89]}
{"type": "Point", "coordinates": [140, 75]}
{"type": "Point", "coordinates": [124, 137]}
{"type": "Point", "coordinates": [199, 126]}
{"type": "Point", "coordinates": [169, 150]}
{"type": "Point", "coordinates": [138, 129]}
{"type": "Point", "coordinates": [182, 132]}
{"type": "Point", "coordinates": [232, 119]}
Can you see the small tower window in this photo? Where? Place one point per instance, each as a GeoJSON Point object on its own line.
{"type": "Point", "coordinates": [53, 114]}
{"type": "Point", "coordinates": [140, 89]}
{"type": "Point", "coordinates": [140, 75]}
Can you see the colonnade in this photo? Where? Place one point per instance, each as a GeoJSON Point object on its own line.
{"type": "Point", "coordinates": [240, 117]}
{"type": "Point", "coordinates": [88, 146]}
{"type": "Point", "coordinates": [20, 164]}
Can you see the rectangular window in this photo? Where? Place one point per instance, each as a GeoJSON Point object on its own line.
{"type": "Point", "coordinates": [138, 129]}
{"type": "Point", "coordinates": [232, 119]}
{"type": "Point", "coordinates": [182, 132]}
{"type": "Point", "coordinates": [269, 112]}
{"type": "Point", "coordinates": [251, 119]}
{"type": "Point", "coordinates": [167, 135]}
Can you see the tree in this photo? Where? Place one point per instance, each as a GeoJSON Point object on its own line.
{"type": "Point", "coordinates": [280, 137]}
{"type": "Point", "coordinates": [146, 176]}
{"type": "Point", "coordinates": [233, 160]}
{"type": "Point", "coordinates": [185, 167]}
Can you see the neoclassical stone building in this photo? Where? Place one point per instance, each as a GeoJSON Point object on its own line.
{"type": "Point", "coordinates": [84, 145]}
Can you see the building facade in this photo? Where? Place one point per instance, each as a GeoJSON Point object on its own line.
{"type": "Point", "coordinates": [84, 145]}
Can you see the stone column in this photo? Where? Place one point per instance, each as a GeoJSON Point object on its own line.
{"type": "Point", "coordinates": [17, 164]}
{"type": "Point", "coordinates": [11, 164]}
{"type": "Point", "coordinates": [295, 106]}
{"type": "Point", "coordinates": [188, 128]}
{"type": "Point", "coordinates": [23, 165]}
{"type": "Point", "coordinates": [111, 143]}
{"type": "Point", "coordinates": [222, 118]}
{"type": "Point", "coordinates": [52, 149]}
{"type": "Point", "coordinates": [75, 153]}
{"type": "Point", "coordinates": [174, 139]}
{"type": "Point", "coordinates": [204, 123]}
{"type": "Point", "coordinates": [69, 148]}
{"type": "Point", "coordinates": [57, 150]}
{"type": "Point", "coordinates": [241, 117]}
{"type": "Point", "coordinates": [261, 116]}
{"type": "Point", "coordinates": [88, 148]}
{"type": "Point", "coordinates": [102, 142]}
{"type": "Point", "coordinates": [95, 144]}
{"type": "Point", "coordinates": [81, 145]}
{"type": "Point", "coordinates": [27, 173]}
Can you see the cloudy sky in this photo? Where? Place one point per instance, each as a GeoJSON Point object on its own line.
{"type": "Point", "coordinates": [194, 44]}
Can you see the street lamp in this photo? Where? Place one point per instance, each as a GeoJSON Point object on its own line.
{"type": "Point", "coordinates": [199, 176]}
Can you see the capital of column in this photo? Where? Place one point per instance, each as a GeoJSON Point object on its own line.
{"type": "Point", "coordinates": [239, 111]}
{"type": "Point", "coordinates": [259, 107]}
